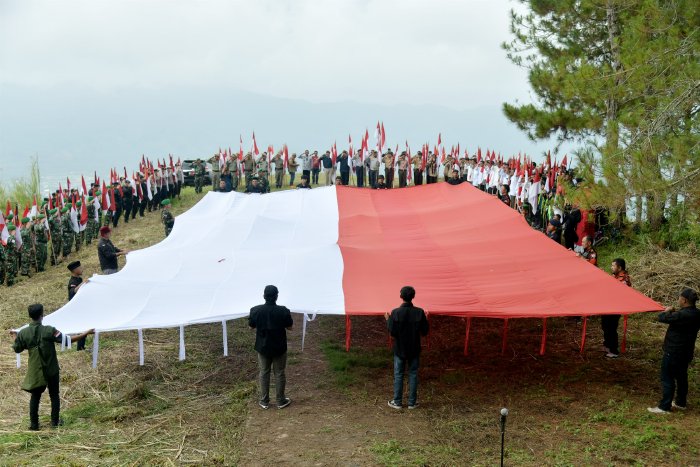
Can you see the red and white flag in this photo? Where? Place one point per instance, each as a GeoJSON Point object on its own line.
{"type": "Point", "coordinates": [4, 233]}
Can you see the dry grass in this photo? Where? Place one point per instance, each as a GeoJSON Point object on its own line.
{"type": "Point", "coordinates": [662, 274]}
{"type": "Point", "coordinates": [566, 409]}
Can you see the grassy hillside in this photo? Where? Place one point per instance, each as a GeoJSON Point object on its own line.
{"type": "Point", "coordinates": [566, 408]}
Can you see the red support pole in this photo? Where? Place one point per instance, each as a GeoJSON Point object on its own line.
{"type": "Point", "coordinates": [430, 328]}
{"type": "Point", "coordinates": [505, 336]}
{"type": "Point", "coordinates": [583, 333]}
{"type": "Point", "coordinates": [348, 328]}
{"type": "Point", "coordinates": [623, 347]}
{"type": "Point", "coordinates": [544, 336]}
{"type": "Point", "coordinates": [466, 337]}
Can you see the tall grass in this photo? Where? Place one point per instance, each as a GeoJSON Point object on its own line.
{"type": "Point", "coordinates": [22, 191]}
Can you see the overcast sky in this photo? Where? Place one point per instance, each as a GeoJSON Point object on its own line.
{"type": "Point", "coordinates": [88, 84]}
{"type": "Point", "coordinates": [379, 51]}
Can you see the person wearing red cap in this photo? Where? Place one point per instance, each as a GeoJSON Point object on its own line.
{"type": "Point", "coordinates": [107, 252]}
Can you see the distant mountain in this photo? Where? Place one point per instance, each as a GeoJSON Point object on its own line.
{"type": "Point", "coordinates": [79, 130]}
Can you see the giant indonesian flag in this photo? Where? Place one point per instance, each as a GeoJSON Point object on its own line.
{"type": "Point", "coordinates": [347, 251]}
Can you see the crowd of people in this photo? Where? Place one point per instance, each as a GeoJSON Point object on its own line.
{"type": "Point", "coordinates": [70, 218]}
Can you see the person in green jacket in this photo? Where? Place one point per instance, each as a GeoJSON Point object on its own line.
{"type": "Point", "coordinates": [43, 371]}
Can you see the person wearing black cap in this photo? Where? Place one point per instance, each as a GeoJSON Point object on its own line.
{"type": "Point", "coordinates": [74, 283]}
{"type": "Point", "coordinates": [271, 322]}
{"type": "Point", "coordinates": [679, 346]}
{"type": "Point", "coordinates": [127, 199]}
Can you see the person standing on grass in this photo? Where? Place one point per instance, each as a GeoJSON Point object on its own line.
{"type": "Point", "coordinates": [271, 323]}
{"type": "Point", "coordinates": [43, 371]}
{"type": "Point", "coordinates": [679, 346]}
{"type": "Point", "coordinates": [609, 323]}
{"type": "Point", "coordinates": [107, 253]}
{"type": "Point", "coordinates": [406, 325]}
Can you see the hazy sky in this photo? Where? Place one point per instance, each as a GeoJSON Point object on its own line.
{"type": "Point", "coordinates": [379, 51]}
{"type": "Point", "coordinates": [91, 84]}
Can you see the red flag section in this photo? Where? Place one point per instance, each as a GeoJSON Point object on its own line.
{"type": "Point", "coordinates": [488, 263]}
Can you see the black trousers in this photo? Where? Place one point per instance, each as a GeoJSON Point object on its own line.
{"type": "Point", "coordinates": [307, 173]}
{"type": "Point", "coordinates": [389, 177]}
{"type": "Point", "coordinates": [609, 324]}
{"type": "Point", "coordinates": [142, 208]}
{"type": "Point", "coordinates": [117, 214]}
{"type": "Point", "coordinates": [402, 178]}
{"type": "Point", "coordinates": [417, 177]}
{"type": "Point", "coordinates": [345, 177]}
{"type": "Point", "coordinates": [127, 212]}
{"type": "Point", "coordinates": [35, 399]}
{"type": "Point", "coordinates": [674, 379]}
{"type": "Point", "coordinates": [360, 177]}
{"type": "Point", "coordinates": [373, 178]}
{"type": "Point", "coordinates": [314, 176]}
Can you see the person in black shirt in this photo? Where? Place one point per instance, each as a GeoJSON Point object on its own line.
{"type": "Point", "coordinates": [380, 185]}
{"type": "Point", "coordinates": [74, 283]}
{"type": "Point", "coordinates": [118, 203]}
{"type": "Point", "coordinates": [107, 252]}
{"type": "Point", "coordinates": [255, 186]}
{"type": "Point", "coordinates": [344, 168]}
{"type": "Point", "coordinates": [572, 217]}
{"type": "Point", "coordinates": [406, 325]}
{"type": "Point", "coordinates": [127, 199]}
{"type": "Point", "coordinates": [454, 179]}
{"type": "Point", "coordinates": [271, 322]}
{"type": "Point", "coordinates": [679, 346]}
{"type": "Point", "coordinates": [304, 183]}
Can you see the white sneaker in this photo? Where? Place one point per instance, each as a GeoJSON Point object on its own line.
{"type": "Point", "coordinates": [678, 407]}
{"type": "Point", "coordinates": [657, 410]}
{"type": "Point", "coordinates": [611, 355]}
{"type": "Point", "coordinates": [394, 405]}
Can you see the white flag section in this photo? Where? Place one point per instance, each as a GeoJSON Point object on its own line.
{"type": "Point", "coordinates": [216, 262]}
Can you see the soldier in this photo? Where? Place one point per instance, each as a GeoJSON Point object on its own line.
{"type": "Point", "coordinates": [56, 237]}
{"type": "Point", "coordinates": [167, 217]}
{"type": "Point", "coordinates": [41, 238]}
{"type": "Point", "coordinates": [43, 371]}
{"type": "Point", "coordinates": [403, 168]}
{"type": "Point", "coordinates": [117, 204]}
{"type": "Point", "coordinates": [279, 170]}
{"type": "Point", "coordinates": [78, 235]}
{"type": "Point", "coordinates": [432, 169]}
{"type": "Point", "coordinates": [2, 263]}
{"type": "Point", "coordinates": [91, 226]}
{"type": "Point", "coordinates": [66, 231]}
{"type": "Point", "coordinates": [254, 186]}
{"type": "Point", "coordinates": [292, 166]}
{"type": "Point", "coordinates": [127, 199]}
{"type": "Point", "coordinates": [215, 162]}
{"type": "Point", "coordinates": [199, 171]}
{"type": "Point", "coordinates": [262, 169]}
{"type": "Point", "coordinates": [179, 178]}
{"type": "Point", "coordinates": [27, 245]}
{"type": "Point", "coordinates": [417, 162]}
{"type": "Point", "coordinates": [389, 168]}
{"type": "Point", "coordinates": [10, 256]}
{"type": "Point", "coordinates": [231, 169]}
{"type": "Point", "coordinates": [248, 167]}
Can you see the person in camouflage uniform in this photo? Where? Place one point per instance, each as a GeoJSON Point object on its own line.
{"type": "Point", "coordinates": [199, 171]}
{"type": "Point", "coordinates": [67, 233]}
{"type": "Point", "coordinates": [56, 237]}
{"type": "Point", "coordinates": [91, 227]}
{"type": "Point", "coordinates": [27, 246]}
{"type": "Point", "coordinates": [167, 217]}
{"type": "Point", "coordinates": [11, 256]}
{"type": "Point", "coordinates": [79, 236]}
{"type": "Point", "coordinates": [262, 169]}
{"type": "Point", "coordinates": [248, 167]}
{"type": "Point", "coordinates": [107, 220]}
{"type": "Point", "coordinates": [41, 239]}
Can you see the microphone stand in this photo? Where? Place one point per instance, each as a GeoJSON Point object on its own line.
{"type": "Point", "coordinates": [504, 414]}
